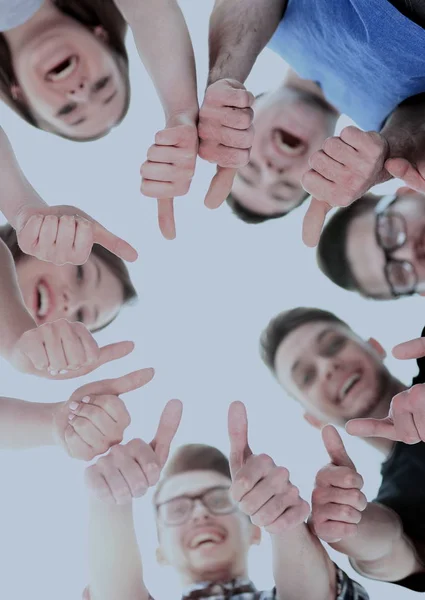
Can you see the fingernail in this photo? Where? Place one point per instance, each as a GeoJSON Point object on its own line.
{"type": "Point", "coordinates": [63, 372]}
{"type": "Point", "coordinates": [71, 417]}
{"type": "Point", "coordinates": [53, 372]}
{"type": "Point", "coordinates": [73, 405]}
{"type": "Point", "coordinates": [86, 399]}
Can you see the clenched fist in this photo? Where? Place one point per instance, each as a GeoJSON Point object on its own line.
{"type": "Point", "coordinates": [63, 349]}
{"type": "Point", "coordinates": [129, 470]}
{"type": "Point", "coordinates": [261, 488]}
{"type": "Point", "coordinates": [225, 134]}
{"type": "Point", "coordinates": [65, 234]}
{"type": "Point", "coordinates": [344, 169]}
{"type": "Point", "coordinates": [337, 501]}
{"type": "Point", "coordinates": [95, 417]}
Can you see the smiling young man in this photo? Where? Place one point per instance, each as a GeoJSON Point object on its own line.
{"type": "Point", "coordinates": [209, 510]}
{"type": "Point", "coordinates": [376, 246]}
{"type": "Point", "coordinates": [290, 123]}
{"type": "Point", "coordinates": [337, 377]}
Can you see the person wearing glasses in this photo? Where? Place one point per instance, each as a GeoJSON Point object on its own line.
{"type": "Point", "coordinates": [376, 246]}
{"type": "Point", "coordinates": [207, 520]}
{"type": "Point", "coordinates": [339, 378]}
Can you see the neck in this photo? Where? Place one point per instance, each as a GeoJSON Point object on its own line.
{"type": "Point", "coordinates": [47, 16]}
{"type": "Point", "coordinates": [393, 388]}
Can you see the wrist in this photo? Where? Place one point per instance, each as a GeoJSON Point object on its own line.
{"type": "Point", "coordinates": [187, 116]}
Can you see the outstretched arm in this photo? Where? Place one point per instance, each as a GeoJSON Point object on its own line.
{"type": "Point", "coordinates": [16, 192]}
{"type": "Point", "coordinates": [115, 564]}
{"type": "Point", "coordinates": [380, 550]}
{"type": "Point", "coordinates": [301, 566]}
{"type": "Point", "coordinates": [165, 47]}
{"type": "Point", "coordinates": [239, 31]}
{"type": "Point", "coordinates": [370, 534]}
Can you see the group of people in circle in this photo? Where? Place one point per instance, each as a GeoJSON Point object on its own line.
{"type": "Point", "coordinates": [64, 68]}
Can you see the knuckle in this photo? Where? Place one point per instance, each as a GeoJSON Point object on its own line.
{"type": "Point", "coordinates": [265, 459]}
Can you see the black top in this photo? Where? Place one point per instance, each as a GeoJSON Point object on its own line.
{"type": "Point", "coordinates": [403, 489]}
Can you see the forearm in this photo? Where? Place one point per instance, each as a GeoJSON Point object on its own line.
{"type": "Point", "coordinates": [164, 45]}
{"type": "Point", "coordinates": [380, 549]}
{"type": "Point", "coordinates": [115, 565]}
{"type": "Point", "coordinates": [25, 424]}
{"type": "Point", "coordinates": [15, 190]}
{"type": "Point", "coordinates": [239, 31]}
{"type": "Point", "coordinates": [405, 130]}
{"type": "Point", "coordinates": [14, 316]}
{"type": "Point", "coordinates": [302, 567]}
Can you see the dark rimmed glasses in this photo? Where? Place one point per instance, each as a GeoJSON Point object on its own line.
{"type": "Point", "coordinates": [391, 234]}
{"type": "Point", "coordinates": [217, 500]}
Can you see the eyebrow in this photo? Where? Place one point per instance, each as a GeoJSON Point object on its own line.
{"type": "Point", "coordinates": [317, 341]}
{"type": "Point", "coordinates": [245, 180]}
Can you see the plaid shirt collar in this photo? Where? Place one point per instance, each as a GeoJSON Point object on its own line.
{"type": "Point", "coordinates": [226, 590]}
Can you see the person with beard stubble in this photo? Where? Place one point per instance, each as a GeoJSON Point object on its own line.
{"type": "Point", "coordinates": [341, 379]}
{"type": "Point", "coordinates": [209, 511]}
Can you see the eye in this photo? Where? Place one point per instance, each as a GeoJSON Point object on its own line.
{"type": "Point", "coordinates": [67, 109]}
{"type": "Point", "coordinates": [335, 345]}
{"type": "Point", "coordinates": [101, 84]}
{"type": "Point", "coordinates": [307, 377]}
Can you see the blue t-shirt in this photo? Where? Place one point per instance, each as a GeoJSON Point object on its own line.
{"type": "Point", "coordinates": [366, 56]}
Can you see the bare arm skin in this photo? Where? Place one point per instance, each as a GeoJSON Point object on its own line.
{"type": "Point", "coordinates": [239, 31]}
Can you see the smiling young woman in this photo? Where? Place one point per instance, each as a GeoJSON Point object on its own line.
{"type": "Point", "coordinates": [92, 293]}
{"type": "Point", "coordinates": [65, 70]}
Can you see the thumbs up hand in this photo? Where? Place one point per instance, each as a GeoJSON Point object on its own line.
{"type": "Point", "coordinates": [129, 470]}
{"type": "Point", "coordinates": [261, 488]}
{"type": "Point", "coordinates": [65, 234]}
{"type": "Point", "coordinates": [337, 500]}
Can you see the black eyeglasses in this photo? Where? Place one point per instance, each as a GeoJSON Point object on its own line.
{"type": "Point", "coordinates": [217, 501]}
{"type": "Point", "coordinates": [391, 234]}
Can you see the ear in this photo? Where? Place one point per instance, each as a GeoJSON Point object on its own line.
{"type": "Point", "coordinates": [101, 34]}
{"type": "Point", "coordinates": [255, 535]}
{"type": "Point", "coordinates": [16, 92]}
{"type": "Point", "coordinates": [160, 558]}
{"type": "Point", "coordinates": [377, 347]}
{"type": "Point", "coordinates": [313, 421]}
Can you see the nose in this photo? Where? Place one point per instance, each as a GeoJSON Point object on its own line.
{"type": "Point", "coordinates": [200, 512]}
{"type": "Point", "coordinates": [330, 367]}
{"type": "Point", "coordinates": [79, 92]}
{"type": "Point", "coordinates": [70, 303]}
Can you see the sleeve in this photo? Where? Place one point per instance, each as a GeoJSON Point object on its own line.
{"type": "Point", "coordinates": [420, 377]}
{"type": "Point", "coordinates": [347, 588]}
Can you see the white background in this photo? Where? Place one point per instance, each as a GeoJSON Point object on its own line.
{"type": "Point", "coordinates": [204, 300]}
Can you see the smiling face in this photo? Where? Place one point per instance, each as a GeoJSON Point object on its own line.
{"type": "Point", "coordinates": [70, 79]}
{"type": "Point", "coordinates": [206, 547]}
{"type": "Point", "coordinates": [289, 126]}
{"type": "Point", "coordinates": [367, 259]}
{"type": "Point", "coordinates": [89, 293]}
{"type": "Point", "coordinates": [333, 373]}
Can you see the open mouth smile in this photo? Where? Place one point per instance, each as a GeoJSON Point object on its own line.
{"type": "Point", "coordinates": [286, 143]}
{"type": "Point", "coordinates": [63, 70]}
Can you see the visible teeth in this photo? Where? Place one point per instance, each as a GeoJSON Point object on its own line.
{"type": "Point", "coordinates": [348, 385]}
{"type": "Point", "coordinates": [44, 300]}
{"type": "Point", "coordinates": [205, 537]}
{"type": "Point", "coordinates": [57, 74]}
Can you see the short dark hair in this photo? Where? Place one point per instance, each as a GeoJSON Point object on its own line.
{"type": "Point", "coordinates": [115, 264]}
{"type": "Point", "coordinates": [194, 457]}
{"type": "Point", "coordinates": [247, 215]}
{"type": "Point", "coordinates": [332, 249]}
{"type": "Point", "coordinates": [285, 323]}
{"type": "Point", "coordinates": [90, 14]}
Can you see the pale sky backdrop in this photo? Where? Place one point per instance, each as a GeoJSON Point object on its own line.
{"type": "Point", "coordinates": [204, 300]}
